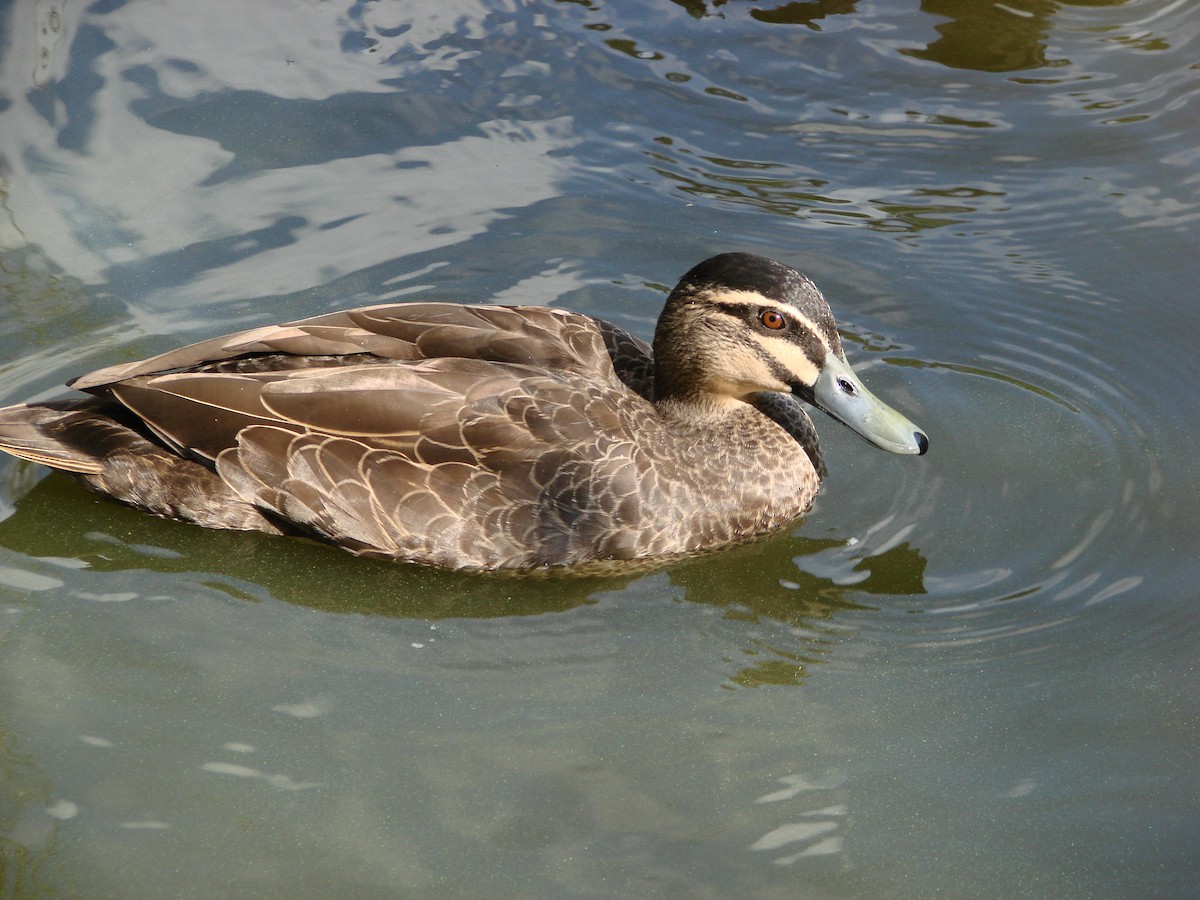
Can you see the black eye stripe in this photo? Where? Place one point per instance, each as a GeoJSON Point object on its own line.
{"type": "Point", "coordinates": [737, 310]}
{"type": "Point", "coordinates": [745, 311]}
{"type": "Point", "coordinates": [811, 344]}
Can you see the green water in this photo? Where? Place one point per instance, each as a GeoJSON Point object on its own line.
{"type": "Point", "coordinates": [971, 674]}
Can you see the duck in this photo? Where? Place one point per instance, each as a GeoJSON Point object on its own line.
{"type": "Point", "coordinates": [484, 437]}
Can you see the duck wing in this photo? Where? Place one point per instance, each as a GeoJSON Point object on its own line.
{"type": "Point", "coordinates": [451, 462]}
{"type": "Point", "coordinates": [529, 335]}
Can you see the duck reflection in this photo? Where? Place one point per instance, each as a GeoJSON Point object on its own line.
{"type": "Point", "coordinates": [799, 583]}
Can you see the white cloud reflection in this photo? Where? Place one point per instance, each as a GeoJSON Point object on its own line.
{"type": "Point", "coordinates": [97, 180]}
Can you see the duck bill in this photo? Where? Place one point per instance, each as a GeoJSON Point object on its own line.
{"type": "Point", "coordinates": [841, 394]}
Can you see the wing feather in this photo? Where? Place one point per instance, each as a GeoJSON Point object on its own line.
{"type": "Point", "coordinates": [528, 335]}
{"type": "Point", "coordinates": [196, 414]}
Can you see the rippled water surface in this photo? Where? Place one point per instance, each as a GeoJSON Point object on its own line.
{"type": "Point", "coordinates": [971, 674]}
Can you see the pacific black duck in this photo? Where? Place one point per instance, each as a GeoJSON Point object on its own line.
{"type": "Point", "coordinates": [481, 436]}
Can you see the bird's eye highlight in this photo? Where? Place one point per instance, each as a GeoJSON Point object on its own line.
{"type": "Point", "coordinates": [772, 318]}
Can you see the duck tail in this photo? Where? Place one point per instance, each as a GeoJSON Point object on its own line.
{"type": "Point", "coordinates": [64, 435]}
{"type": "Point", "coordinates": [87, 440]}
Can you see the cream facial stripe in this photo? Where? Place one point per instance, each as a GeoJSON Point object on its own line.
{"type": "Point", "coordinates": [793, 356]}
{"type": "Point", "coordinates": [791, 363]}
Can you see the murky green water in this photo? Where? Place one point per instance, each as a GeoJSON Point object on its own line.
{"type": "Point", "coordinates": [967, 675]}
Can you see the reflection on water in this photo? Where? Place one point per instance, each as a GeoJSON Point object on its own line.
{"type": "Point", "coordinates": [780, 190]}
{"type": "Point", "coordinates": [799, 583]}
{"type": "Point", "coordinates": [990, 37]}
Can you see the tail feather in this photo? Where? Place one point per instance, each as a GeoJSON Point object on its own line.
{"type": "Point", "coordinates": [67, 436]}
{"type": "Point", "coordinates": [88, 440]}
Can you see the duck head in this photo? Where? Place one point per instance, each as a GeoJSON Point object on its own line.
{"type": "Point", "coordinates": [738, 324]}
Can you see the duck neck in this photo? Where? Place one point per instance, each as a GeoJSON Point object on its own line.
{"type": "Point", "coordinates": [678, 393]}
{"type": "Point", "coordinates": [700, 407]}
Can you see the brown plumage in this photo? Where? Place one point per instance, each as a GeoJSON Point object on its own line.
{"type": "Point", "coordinates": [482, 437]}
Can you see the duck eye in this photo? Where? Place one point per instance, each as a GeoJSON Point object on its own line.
{"type": "Point", "coordinates": [772, 318]}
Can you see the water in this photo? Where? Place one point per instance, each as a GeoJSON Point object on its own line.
{"type": "Point", "coordinates": [971, 674]}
